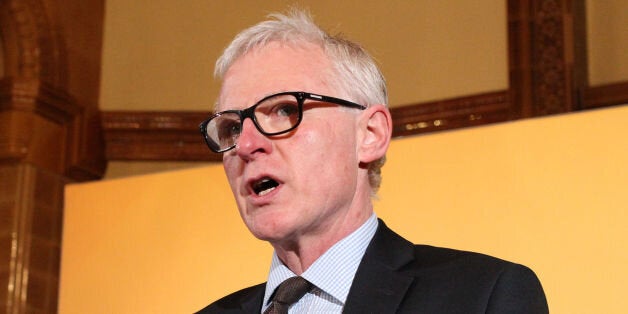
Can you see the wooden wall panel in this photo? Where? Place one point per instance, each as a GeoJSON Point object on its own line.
{"type": "Point", "coordinates": [606, 95]}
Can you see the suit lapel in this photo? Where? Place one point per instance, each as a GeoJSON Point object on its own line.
{"type": "Point", "coordinates": [252, 303]}
{"type": "Point", "coordinates": [378, 286]}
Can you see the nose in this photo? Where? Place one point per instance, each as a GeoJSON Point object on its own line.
{"type": "Point", "coordinates": [251, 142]}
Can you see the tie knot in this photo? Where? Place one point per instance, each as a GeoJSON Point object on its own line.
{"type": "Point", "coordinates": [291, 290]}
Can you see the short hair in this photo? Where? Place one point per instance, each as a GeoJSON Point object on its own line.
{"type": "Point", "coordinates": [354, 70]}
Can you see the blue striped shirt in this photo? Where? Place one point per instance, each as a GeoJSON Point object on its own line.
{"type": "Point", "coordinates": [331, 274]}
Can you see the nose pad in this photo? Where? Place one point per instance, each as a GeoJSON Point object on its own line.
{"type": "Point", "coordinates": [251, 140]}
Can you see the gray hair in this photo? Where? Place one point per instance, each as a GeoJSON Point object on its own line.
{"type": "Point", "coordinates": [354, 70]}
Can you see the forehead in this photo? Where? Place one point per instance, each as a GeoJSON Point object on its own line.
{"type": "Point", "coordinates": [276, 67]}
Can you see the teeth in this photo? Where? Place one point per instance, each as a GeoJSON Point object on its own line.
{"type": "Point", "coordinates": [264, 186]}
{"type": "Point", "coordinates": [262, 193]}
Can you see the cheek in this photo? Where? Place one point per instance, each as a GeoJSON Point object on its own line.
{"type": "Point", "coordinates": [328, 145]}
{"type": "Point", "coordinates": [230, 165]}
{"type": "Point", "coordinates": [317, 140]}
{"type": "Point", "coordinates": [227, 165]}
{"type": "Point", "coordinates": [338, 137]}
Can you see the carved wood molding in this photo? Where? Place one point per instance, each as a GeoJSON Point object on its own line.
{"type": "Point", "coordinates": [451, 113]}
{"type": "Point", "coordinates": [77, 151]}
{"type": "Point", "coordinates": [39, 150]}
{"type": "Point", "coordinates": [605, 95]}
{"type": "Point", "coordinates": [24, 102]}
{"type": "Point", "coordinates": [35, 96]}
{"type": "Point", "coordinates": [29, 42]}
{"type": "Point", "coordinates": [174, 136]}
{"type": "Point", "coordinates": [35, 69]}
{"type": "Point", "coordinates": [551, 81]}
{"type": "Point", "coordinates": [542, 48]}
{"type": "Point", "coordinates": [133, 135]}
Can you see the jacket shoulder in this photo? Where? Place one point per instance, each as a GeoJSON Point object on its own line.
{"type": "Point", "coordinates": [441, 263]}
{"type": "Point", "coordinates": [432, 256]}
{"type": "Point", "coordinates": [397, 276]}
{"type": "Point", "coordinates": [477, 281]}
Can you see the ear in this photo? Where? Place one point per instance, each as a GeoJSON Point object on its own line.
{"type": "Point", "coordinates": [376, 128]}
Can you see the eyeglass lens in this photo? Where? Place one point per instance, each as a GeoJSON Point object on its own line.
{"type": "Point", "coordinates": [273, 115]}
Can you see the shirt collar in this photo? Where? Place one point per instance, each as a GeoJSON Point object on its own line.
{"type": "Point", "coordinates": [343, 258]}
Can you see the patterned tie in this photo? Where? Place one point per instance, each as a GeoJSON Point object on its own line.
{"type": "Point", "coordinates": [288, 292]}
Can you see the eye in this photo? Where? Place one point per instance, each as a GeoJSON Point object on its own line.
{"type": "Point", "coordinates": [286, 109]}
{"type": "Point", "coordinates": [228, 129]}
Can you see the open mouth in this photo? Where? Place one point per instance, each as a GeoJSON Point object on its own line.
{"type": "Point", "coordinates": [264, 186]}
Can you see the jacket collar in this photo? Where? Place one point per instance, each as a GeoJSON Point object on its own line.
{"type": "Point", "coordinates": [252, 301]}
{"type": "Point", "coordinates": [378, 286]}
{"type": "Point", "coordinates": [385, 256]}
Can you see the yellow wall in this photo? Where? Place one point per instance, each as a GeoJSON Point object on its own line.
{"type": "Point", "coordinates": [607, 39]}
{"type": "Point", "coordinates": [549, 193]}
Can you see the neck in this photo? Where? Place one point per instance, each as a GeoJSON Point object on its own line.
{"type": "Point", "coordinates": [300, 253]}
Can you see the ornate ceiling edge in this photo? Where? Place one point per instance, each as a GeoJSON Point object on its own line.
{"type": "Point", "coordinates": [174, 136]}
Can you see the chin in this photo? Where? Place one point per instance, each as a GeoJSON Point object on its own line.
{"type": "Point", "coordinates": [268, 236]}
{"type": "Point", "coordinates": [269, 229]}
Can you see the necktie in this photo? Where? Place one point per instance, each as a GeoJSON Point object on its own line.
{"type": "Point", "coordinates": [288, 292]}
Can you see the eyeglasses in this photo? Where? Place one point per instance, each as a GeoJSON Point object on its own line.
{"type": "Point", "coordinates": [276, 114]}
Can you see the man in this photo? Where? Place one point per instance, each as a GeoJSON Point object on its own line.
{"type": "Point", "coordinates": [303, 127]}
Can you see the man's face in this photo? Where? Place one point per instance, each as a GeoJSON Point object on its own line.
{"type": "Point", "coordinates": [299, 184]}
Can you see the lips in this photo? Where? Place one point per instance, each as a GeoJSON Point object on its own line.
{"type": "Point", "coordinates": [263, 185]}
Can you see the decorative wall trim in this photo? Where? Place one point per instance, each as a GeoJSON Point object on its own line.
{"type": "Point", "coordinates": [542, 48]}
{"type": "Point", "coordinates": [36, 96]}
{"type": "Point", "coordinates": [159, 136]}
{"type": "Point", "coordinates": [26, 26]}
{"type": "Point", "coordinates": [451, 113]}
{"type": "Point", "coordinates": [605, 95]}
{"type": "Point", "coordinates": [174, 136]}
{"type": "Point", "coordinates": [550, 80]}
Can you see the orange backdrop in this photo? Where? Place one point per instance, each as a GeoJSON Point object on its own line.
{"type": "Point", "coordinates": [549, 193]}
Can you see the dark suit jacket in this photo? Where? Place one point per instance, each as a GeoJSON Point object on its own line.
{"type": "Point", "coordinates": [396, 276]}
